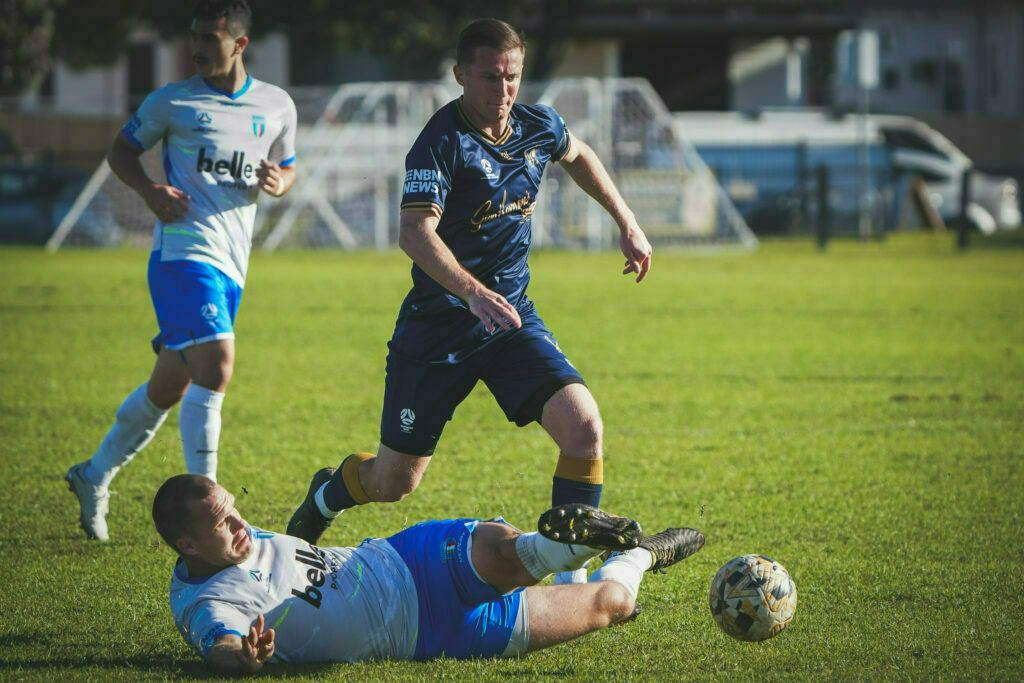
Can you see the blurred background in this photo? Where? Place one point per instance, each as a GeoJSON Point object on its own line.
{"type": "Point", "coordinates": [722, 121]}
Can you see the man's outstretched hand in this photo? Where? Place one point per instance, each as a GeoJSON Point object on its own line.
{"type": "Point", "coordinates": [257, 647]}
{"type": "Point", "coordinates": [234, 655]}
{"type": "Point", "coordinates": [637, 251]}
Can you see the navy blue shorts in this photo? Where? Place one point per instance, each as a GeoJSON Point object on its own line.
{"type": "Point", "coordinates": [427, 379]}
{"type": "Point", "coordinates": [194, 302]}
{"type": "Point", "coordinates": [460, 616]}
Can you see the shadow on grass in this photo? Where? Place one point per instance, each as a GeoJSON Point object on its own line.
{"type": "Point", "coordinates": [149, 663]}
{"type": "Point", "coordinates": [1000, 240]}
{"type": "Point", "coordinates": [534, 674]}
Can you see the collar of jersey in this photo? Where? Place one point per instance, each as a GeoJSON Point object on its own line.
{"type": "Point", "coordinates": [234, 96]}
{"type": "Point", "coordinates": [494, 141]}
{"type": "Point", "coordinates": [181, 571]}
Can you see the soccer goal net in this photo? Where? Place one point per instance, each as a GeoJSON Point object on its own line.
{"type": "Point", "coordinates": [351, 147]}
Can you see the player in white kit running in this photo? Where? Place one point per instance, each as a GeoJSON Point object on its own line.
{"type": "Point", "coordinates": [226, 136]}
{"type": "Point", "coordinates": [242, 596]}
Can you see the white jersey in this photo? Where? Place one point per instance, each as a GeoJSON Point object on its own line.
{"type": "Point", "coordinates": [324, 604]}
{"type": "Point", "coordinates": [213, 143]}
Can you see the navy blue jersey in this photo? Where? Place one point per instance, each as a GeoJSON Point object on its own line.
{"type": "Point", "coordinates": [484, 191]}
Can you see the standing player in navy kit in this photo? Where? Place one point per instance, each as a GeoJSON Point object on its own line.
{"type": "Point", "coordinates": [471, 186]}
{"type": "Point", "coordinates": [226, 137]}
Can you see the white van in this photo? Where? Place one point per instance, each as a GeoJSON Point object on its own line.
{"type": "Point", "coordinates": [911, 146]}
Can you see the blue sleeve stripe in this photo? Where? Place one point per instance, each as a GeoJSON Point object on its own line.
{"type": "Point", "coordinates": [131, 138]}
{"type": "Point", "coordinates": [568, 147]}
{"type": "Point", "coordinates": [287, 162]}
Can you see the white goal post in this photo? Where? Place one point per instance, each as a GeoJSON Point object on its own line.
{"type": "Point", "coordinates": [351, 147]}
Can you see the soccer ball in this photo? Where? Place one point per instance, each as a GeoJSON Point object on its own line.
{"type": "Point", "coordinates": [752, 597]}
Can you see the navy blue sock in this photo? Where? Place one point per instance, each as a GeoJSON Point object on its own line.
{"type": "Point", "coordinates": [569, 491]}
{"type": "Point", "coordinates": [344, 489]}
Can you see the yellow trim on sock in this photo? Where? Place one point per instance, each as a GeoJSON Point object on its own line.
{"type": "Point", "coordinates": [580, 469]}
{"type": "Point", "coordinates": [350, 475]}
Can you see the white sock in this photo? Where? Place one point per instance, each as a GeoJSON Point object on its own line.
{"type": "Point", "coordinates": [321, 504]}
{"type": "Point", "coordinates": [199, 422]}
{"type": "Point", "coordinates": [627, 568]}
{"type": "Point", "coordinates": [136, 424]}
{"type": "Point", "coordinates": [542, 557]}
{"type": "Point", "coordinates": [575, 576]}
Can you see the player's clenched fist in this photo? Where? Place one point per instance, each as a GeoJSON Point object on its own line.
{"type": "Point", "coordinates": [270, 178]}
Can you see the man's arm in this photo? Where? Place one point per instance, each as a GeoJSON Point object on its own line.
{"type": "Point", "coordinates": [587, 171]}
{"type": "Point", "coordinates": [167, 203]}
{"type": "Point", "coordinates": [418, 238]}
{"type": "Point", "coordinates": [274, 179]}
{"type": "Point", "coordinates": [232, 655]}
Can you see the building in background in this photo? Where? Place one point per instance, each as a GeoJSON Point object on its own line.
{"type": "Point", "coordinates": [149, 63]}
{"type": "Point", "coordinates": [943, 56]}
{"type": "Point", "coordinates": [953, 58]}
{"type": "Point", "coordinates": [957, 66]}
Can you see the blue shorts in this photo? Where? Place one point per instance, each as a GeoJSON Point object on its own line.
{"type": "Point", "coordinates": [460, 616]}
{"type": "Point", "coordinates": [194, 302]}
{"type": "Point", "coordinates": [426, 380]}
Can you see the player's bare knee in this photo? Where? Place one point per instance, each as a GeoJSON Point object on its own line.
{"type": "Point", "coordinates": [221, 373]}
{"type": "Point", "coordinates": [614, 602]}
{"type": "Point", "coordinates": [164, 393]}
{"type": "Point", "coordinates": [585, 437]}
{"type": "Point", "coordinates": [215, 377]}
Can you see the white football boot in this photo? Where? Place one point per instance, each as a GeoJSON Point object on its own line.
{"type": "Point", "coordinates": [93, 501]}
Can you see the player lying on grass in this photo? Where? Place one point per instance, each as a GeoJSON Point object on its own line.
{"type": "Point", "coordinates": [242, 596]}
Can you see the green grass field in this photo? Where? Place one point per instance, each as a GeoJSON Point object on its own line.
{"type": "Point", "coordinates": [858, 415]}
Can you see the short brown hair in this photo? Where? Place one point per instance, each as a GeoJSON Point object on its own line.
{"type": "Point", "coordinates": [172, 513]}
{"type": "Point", "coordinates": [236, 12]}
{"type": "Point", "coordinates": [492, 33]}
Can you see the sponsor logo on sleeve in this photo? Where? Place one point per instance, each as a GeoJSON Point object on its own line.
{"type": "Point", "coordinates": [212, 634]}
{"type": "Point", "coordinates": [422, 180]}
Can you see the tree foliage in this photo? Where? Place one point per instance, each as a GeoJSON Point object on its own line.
{"type": "Point", "coordinates": [86, 33]}
{"type": "Point", "coordinates": [26, 33]}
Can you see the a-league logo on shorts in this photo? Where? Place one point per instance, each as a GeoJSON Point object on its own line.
{"type": "Point", "coordinates": [209, 311]}
{"type": "Point", "coordinates": [407, 417]}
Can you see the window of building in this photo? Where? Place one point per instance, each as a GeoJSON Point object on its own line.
{"type": "Point", "coordinates": [885, 41]}
{"type": "Point", "coordinates": [924, 71]}
{"type": "Point", "coordinates": [891, 78]}
{"type": "Point", "coordinates": [993, 69]}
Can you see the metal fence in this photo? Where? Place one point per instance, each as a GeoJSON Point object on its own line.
{"type": "Point", "coordinates": [351, 149]}
{"type": "Point", "coordinates": [776, 188]}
